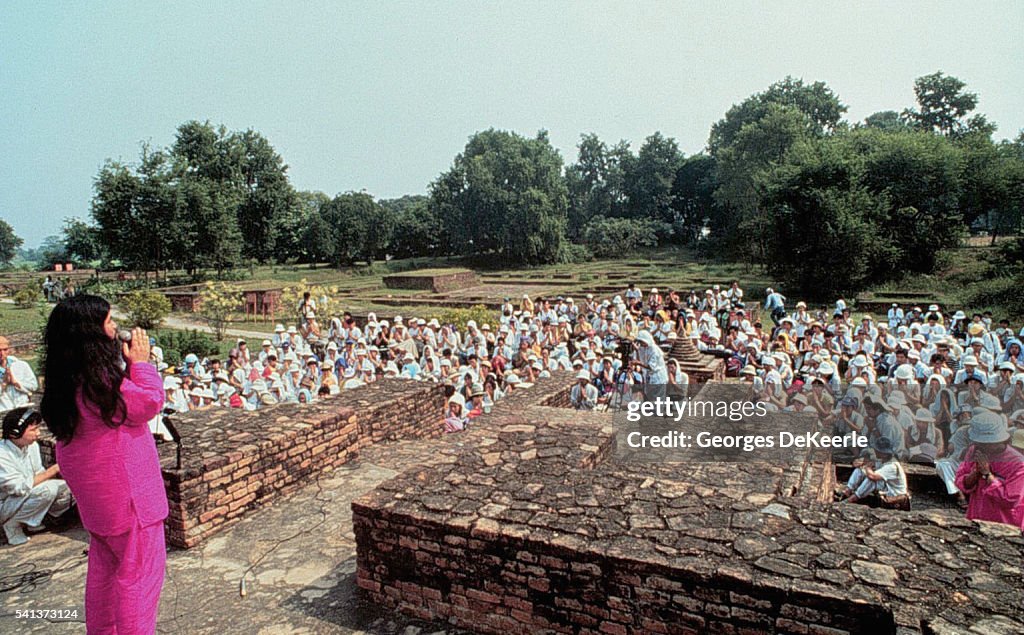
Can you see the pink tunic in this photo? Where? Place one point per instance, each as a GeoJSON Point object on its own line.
{"type": "Point", "coordinates": [1001, 499]}
{"type": "Point", "coordinates": [114, 473]}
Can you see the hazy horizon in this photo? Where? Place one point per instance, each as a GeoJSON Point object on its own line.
{"type": "Point", "coordinates": [382, 97]}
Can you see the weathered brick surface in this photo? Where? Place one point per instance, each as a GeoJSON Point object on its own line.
{"type": "Point", "coordinates": [439, 283]}
{"type": "Point", "coordinates": [234, 461]}
{"type": "Point", "coordinates": [526, 525]}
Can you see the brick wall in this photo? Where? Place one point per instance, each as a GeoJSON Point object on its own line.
{"type": "Point", "coordinates": [440, 283]}
{"type": "Point", "coordinates": [495, 581]}
{"type": "Point", "coordinates": [529, 524]}
{"type": "Point", "coordinates": [235, 461]}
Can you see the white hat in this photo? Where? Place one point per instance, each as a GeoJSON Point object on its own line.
{"type": "Point", "coordinates": [457, 398]}
{"type": "Point", "coordinates": [266, 343]}
{"type": "Point", "coordinates": [988, 427]}
{"type": "Point", "coordinates": [333, 346]}
{"type": "Point", "coordinates": [905, 371]}
{"type": "Point", "coordinates": [512, 378]}
{"type": "Point", "coordinates": [292, 330]}
{"type": "Point", "coordinates": [924, 414]}
{"type": "Point", "coordinates": [171, 383]}
{"type": "Point", "coordinates": [970, 360]}
{"type": "Point", "coordinates": [583, 375]}
{"type": "Point", "coordinates": [279, 328]}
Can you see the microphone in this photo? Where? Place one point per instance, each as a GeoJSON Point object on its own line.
{"type": "Point", "coordinates": [124, 335]}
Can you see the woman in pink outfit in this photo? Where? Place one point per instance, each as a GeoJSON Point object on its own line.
{"type": "Point", "coordinates": [99, 396]}
{"type": "Point", "coordinates": [992, 473]}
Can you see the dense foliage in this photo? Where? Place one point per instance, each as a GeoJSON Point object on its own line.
{"type": "Point", "coordinates": [146, 309]}
{"type": "Point", "coordinates": [504, 195]}
{"type": "Point", "coordinates": [785, 183]}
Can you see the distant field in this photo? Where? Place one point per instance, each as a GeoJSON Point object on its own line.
{"type": "Point", "coordinates": [361, 289]}
{"type": "Point", "coordinates": [17, 320]}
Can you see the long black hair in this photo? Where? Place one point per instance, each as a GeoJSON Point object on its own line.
{"type": "Point", "coordinates": [80, 356]}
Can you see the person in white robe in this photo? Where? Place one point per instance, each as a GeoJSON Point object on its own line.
{"type": "Point", "coordinates": [28, 492]}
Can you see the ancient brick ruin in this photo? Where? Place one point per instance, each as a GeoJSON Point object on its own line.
{"type": "Point", "coordinates": [525, 524]}
{"type": "Point", "coordinates": [441, 282]}
{"type": "Point", "coordinates": [234, 461]}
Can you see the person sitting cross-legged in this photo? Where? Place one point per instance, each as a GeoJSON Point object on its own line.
{"type": "Point", "coordinates": [28, 493]}
{"type": "Point", "coordinates": [885, 485]}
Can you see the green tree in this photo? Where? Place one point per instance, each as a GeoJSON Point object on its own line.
{"type": "Point", "coordinates": [649, 177]}
{"type": "Point", "coordinates": [942, 104]}
{"type": "Point", "coordinates": [318, 240]}
{"type": "Point", "coordinates": [741, 222]}
{"type": "Point", "coordinates": [596, 182]}
{"type": "Point", "coordinates": [249, 178]}
{"type": "Point", "coordinates": [9, 243]}
{"type": "Point", "coordinates": [268, 194]}
{"type": "Point", "coordinates": [114, 211]}
{"type": "Point", "coordinates": [1009, 216]}
{"type": "Point", "coordinates": [146, 309]}
{"type": "Point", "coordinates": [816, 100]}
{"type": "Point", "coordinates": [919, 174]}
{"type": "Point", "coordinates": [418, 231]}
{"type": "Point", "coordinates": [358, 228]}
{"type": "Point", "coordinates": [693, 197]}
{"type": "Point", "coordinates": [620, 236]}
{"type": "Point", "coordinates": [889, 120]}
{"type": "Point", "coordinates": [211, 237]}
{"type": "Point", "coordinates": [82, 241]}
{"type": "Point", "coordinates": [52, 252]}
{"type": "Point", "coordinates": [291, 225]}
{"type": "Point", "coordinates": [504, 196]}
{"type": "Point", "coordinates": [823, 221]}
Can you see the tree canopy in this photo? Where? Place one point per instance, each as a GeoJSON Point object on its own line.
{"type": "Point", "coordinates": [784, 180]}
{"type": "Point", "coordinates": [504, 196]}
{"type": "Point", "coordinates": [9, 243]}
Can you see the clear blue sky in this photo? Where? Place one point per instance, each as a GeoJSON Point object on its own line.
{"type": "Point", "coordinates": [382, 96]}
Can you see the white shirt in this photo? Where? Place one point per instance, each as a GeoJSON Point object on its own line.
{"type": "Point", "coordinates": [11, 397]}
{"type": "Point", "coordinates": [18, 469]}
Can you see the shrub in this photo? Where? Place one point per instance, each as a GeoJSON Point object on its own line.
{"type": "Point", "coordinates": [327, 304]}
{"type": "Point", "coordinates": [460, 317]}
{"type": "Point", "coordinates": [217, 302]}
{"type": "Point", "coordinates": [28, 296]}
{"type": "Point", "coordinates": [572, 253]}
{"type": "Point", "coordinates": [620, 236]}
{"type": "Point", "coordinates": [146, 309]}
{"type": "Point", "coordinates": [177, 344]}
{"type": "Point", "coordinates": [172, 356]}
{"type": "Point", "coordinates": [997, 294]}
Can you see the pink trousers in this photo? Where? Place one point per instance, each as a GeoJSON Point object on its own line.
{"type": "Point", "coordinates": [122, 586]}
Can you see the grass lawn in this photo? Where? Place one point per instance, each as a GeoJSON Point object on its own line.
{"type": "Point", "coordinates": [14, 319]}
